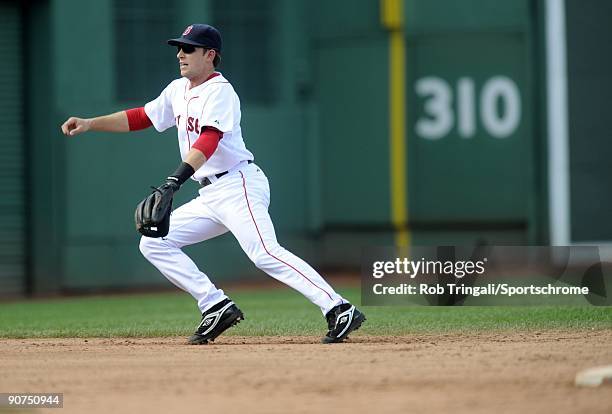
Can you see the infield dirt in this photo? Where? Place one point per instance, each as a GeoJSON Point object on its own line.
{"type": "Point", "coordinates": [525, 372]}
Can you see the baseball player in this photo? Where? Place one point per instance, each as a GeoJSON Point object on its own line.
{"type": "Point", "coordinates": [234, 194]}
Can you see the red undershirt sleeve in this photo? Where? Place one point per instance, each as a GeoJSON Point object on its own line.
{"type": "Point", "coordinates": [208, 141]}
{"type": "Point", "coordinates": [138, 119]}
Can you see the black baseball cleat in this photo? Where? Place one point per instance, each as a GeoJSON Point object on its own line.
{"type": "Point", "coordinates": [215, 321]}
{"type": "Point", "coordinates": [341, 321]}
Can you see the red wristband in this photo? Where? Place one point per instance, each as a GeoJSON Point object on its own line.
{"type": "Point", "coordinates": [138, 119]}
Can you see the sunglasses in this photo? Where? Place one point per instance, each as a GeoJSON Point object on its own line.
{"type": "Point", "coordinates": [188, 49]}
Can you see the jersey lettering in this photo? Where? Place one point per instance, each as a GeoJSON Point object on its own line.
{"type": "Point", "coordinates": [191, 127]}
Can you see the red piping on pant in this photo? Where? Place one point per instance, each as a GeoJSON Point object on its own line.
{"type": "Point", "coordinates": [264, 245]}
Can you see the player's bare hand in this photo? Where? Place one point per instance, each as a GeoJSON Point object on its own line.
{"type": "Point", "coordinates": [74, 126]}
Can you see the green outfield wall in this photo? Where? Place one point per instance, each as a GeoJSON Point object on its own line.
{"type": "Point", "coordinates": [589, 85]}
{"type": "Point", "coordinates": [472, 115]}
{"type": "Point", "coordinates": [314, 81]}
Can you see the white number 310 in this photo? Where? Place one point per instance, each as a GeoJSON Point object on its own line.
{"type": "Point", "coordinates": [438, 107]}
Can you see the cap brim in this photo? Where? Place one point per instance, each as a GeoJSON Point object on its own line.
{"type": "Point", "coordinates": [183, 41]}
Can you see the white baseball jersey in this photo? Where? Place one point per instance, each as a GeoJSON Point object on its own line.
{"type": "Point", "coordinates": [213, 103]}
{"type": "Point", "coordinates": [237, 202]}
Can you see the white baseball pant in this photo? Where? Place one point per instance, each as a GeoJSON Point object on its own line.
{"type": "Point", "coordinates": [237, 202]}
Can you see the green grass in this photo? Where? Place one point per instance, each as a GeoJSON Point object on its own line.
{"type": "Point", "coordinates": [273, 312]}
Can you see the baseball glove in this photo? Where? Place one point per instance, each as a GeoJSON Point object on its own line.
{"type": "Point", "coordinates": [152, 214]}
